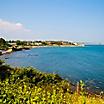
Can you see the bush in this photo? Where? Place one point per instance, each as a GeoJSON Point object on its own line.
{"type": "Point", "coordinates": [30, 86]}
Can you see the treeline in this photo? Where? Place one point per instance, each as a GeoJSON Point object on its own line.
{"type": "Point", "coordinates": [41, 43]}
{"type": "Point", "coordinates": [4, 45]}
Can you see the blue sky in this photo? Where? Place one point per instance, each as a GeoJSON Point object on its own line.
{"type": "Point", "coordinates": [75, 20]}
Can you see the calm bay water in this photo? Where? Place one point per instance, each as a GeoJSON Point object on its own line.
{"type": "Point", "coordinates": [74, 63]}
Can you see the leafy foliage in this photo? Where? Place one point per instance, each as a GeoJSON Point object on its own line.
{"type": "Point", "coordinates": [30, 86]}
{"type": "Point", "coordinates": [3, 44]}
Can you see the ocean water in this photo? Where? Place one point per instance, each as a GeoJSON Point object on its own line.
{"type": "Point", "coordinates": [73, 63]}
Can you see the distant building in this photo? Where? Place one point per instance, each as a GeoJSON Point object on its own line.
{"type": "Point", "coordinates": [37, 44]}
{"type": "Point", "coordinates": [13, 44]}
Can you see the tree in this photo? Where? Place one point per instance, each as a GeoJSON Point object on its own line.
{"type": "Point", "coordinates": [18, 42]}
{"type": "Point", "coordinates": [3, 44]}
{"type": "Point", "coordinates": [2, 41]}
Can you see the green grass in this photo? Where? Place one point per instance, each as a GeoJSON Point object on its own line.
{"type": "Point", "coordinates": [30, 86]}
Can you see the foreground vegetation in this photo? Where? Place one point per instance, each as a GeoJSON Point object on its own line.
{"type": "Point", "coordinates": [30, 86]}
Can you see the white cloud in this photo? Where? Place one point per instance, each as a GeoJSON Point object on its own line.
{"type": "Point", "coordinates": [10, 26]}
{"type": "Point", "coordinates": [11, 30]}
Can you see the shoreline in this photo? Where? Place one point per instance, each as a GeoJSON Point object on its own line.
{"type": "Point", "coordinates": [12, 49]}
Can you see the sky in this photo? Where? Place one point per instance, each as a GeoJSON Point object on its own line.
{"type": "Point", "coordinates": [74, 20]}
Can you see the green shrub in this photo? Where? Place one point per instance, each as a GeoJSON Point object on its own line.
{"type": "Point", "coordinates": [30, 86]}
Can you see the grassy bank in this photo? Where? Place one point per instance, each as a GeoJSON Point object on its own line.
{"type": "Point", "coordinates": [30, 86]}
